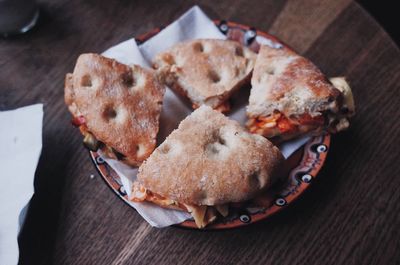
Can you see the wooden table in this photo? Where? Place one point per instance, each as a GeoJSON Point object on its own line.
{"type": "Point", "coordinates": [349, 216]}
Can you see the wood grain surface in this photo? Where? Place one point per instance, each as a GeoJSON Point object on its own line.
{"type": "Point", "coordinates": [349, 216]}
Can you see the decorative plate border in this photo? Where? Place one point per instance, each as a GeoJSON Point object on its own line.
{"type": "Point", "coordinates": [304, 165]}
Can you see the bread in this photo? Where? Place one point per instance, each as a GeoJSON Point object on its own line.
{"type": "Point", "coordinates": [291, 86]}
{"type": "Point", "coordinates": [210, 160]}
{"type": "Point", "coordinates": [207, 71]}
{"type": "Point", "coordinates": [120, 105]}
{"type": "Point", "coordinates": [285, 81]}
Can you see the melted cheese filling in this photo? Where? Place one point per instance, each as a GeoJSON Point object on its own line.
{"type": "Point", "coordinates": [202, 214]}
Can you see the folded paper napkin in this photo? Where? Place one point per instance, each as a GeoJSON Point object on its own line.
{"type": "Point", "coordinates": [21, 144]}
{"type": "Point", "coordinates": [194, 24]}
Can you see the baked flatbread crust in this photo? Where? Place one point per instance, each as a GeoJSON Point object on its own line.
{"type": "Point", "coordinates": [207, 71]}
{"type": "Point", "coordinates": [120, 104]}
{"type": "Point", "coordinates": [291, 86]}
{"type": "Point", "coordinates": [210, 160]}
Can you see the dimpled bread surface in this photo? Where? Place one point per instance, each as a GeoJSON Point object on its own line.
{"type": "Point", "coordinates": [207, 71]}
{"type": "Point", "coordinates": [285, 81]}
{"type": "Point", "coordinates": [121, 104]}
{"type": "Point", "coordinates": [210, 160]}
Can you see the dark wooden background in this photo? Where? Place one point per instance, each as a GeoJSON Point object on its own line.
{"type": "Point", "coordinates": [351, 215]}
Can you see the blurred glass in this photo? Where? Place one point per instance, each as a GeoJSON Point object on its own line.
{"type": "Point", "coordinates": [17, 16]}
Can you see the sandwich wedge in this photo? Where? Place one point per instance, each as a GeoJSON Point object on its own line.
{"type": "Point", "coordinates": [115, 106]}
{"type": "Point", "coordinates": [206, 71]}
{"type": "Point", "coordinates": [291, 97]}
{"type": "Point", "coordinates": [208, 162]}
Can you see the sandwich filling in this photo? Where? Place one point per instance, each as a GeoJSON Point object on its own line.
{"type": "Point", "coordinates": [224, 107]}
{"type": "Point", "coordinates": [280, 126]}
{"type": "Point", "coordinates": [92, 143]}
{"type": "Point", "coordinates": [202, 214]}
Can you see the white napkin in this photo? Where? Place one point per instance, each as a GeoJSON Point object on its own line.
{"type": "Point", "coordinates": [21, 144]}
{"type": "Point", "coordinates": [194, 24]}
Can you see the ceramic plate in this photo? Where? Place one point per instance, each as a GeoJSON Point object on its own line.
{"type": "Point", "coordinates": [301, 168]}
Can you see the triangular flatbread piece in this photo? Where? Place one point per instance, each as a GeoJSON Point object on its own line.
{"type": "Point", "coordinates": [209, 160]}
{"type": "Point", "coordinates": [290, 97]}
{"type": "Point", "coordinates": [116, 107]}
{"type": "Point", "coordinates": [207, 71]}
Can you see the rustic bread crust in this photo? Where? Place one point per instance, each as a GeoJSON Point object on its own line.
{"type": "Point", "coordinates": [207, 71]}
{"type": "Point", "coordinates": [289, 83]}
{"type": "Point", "coordinates": [121, 104]}
{"type": "Point", "coordinates": [210, 160]}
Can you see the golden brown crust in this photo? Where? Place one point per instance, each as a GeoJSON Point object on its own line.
{"type": "Point", "coordinates": [289, 83]}
{"type": "Point", "coordinates": [210, 160]}
{"type": "Point", "coordinates": [121, 104]}
{"type": "Point", "coordinates": [205, 71]}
